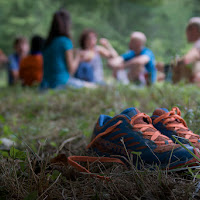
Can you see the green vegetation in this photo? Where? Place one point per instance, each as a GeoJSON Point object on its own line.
{"type": "Point", "coordinates": [40, 124]}
{"type": "Point", "coordinates": [44, 125]}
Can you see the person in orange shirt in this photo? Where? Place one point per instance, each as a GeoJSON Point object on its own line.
{"type": "Point", "coordinates": [31, 67]}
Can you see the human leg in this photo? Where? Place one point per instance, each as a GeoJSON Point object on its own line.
{"type": "Point", "coordinates": [85, 72]}
{"type": "Point", "coordinates": [137, 73]}
{"type": "Point", "coordinates": [77, 83]}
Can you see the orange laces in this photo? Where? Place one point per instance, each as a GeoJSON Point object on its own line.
{"type": "Point", "coordinates": [154, 134]}
{"type": "Point", "coordinates": [169, 121]}
{"type": "Point", "coordinates": [108, 130]}
{"type": "Point", "coordinates": [72, 160]}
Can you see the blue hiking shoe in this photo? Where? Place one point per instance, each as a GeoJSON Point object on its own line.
{"type": "Point", "coordinates": [171, 123]}
{"type": "Point", "coordinates": [132, 133]}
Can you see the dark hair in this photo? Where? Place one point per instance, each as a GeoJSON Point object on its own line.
{"type": "Point", "coordinates": [37, 43]}
{"type": "Point", "coordinates": [60, 25]}
{"type": "Point", "coordinates": [83, 37]}
{"type": "Point", "coordinates": [18, 40]}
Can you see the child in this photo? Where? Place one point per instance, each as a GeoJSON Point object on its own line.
{"type": "Point", "coordinates": [60, 64]}
{"type": "Point", "coordinates": [21, 48]}
{"type": "Point", "coordinates": [31, 67]}
{"type": "Point", "coordinates": [91, 67]}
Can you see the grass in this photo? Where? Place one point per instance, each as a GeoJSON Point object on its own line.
{"type": "Point", "coordinates": [39, 123]}
{"type": "Point", "coordinates": [3, 76]}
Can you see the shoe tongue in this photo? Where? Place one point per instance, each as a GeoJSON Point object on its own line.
{"type": "Point", "coordinates": [130, 112]}
{"type": "Point", "coordinates": [160, 111]}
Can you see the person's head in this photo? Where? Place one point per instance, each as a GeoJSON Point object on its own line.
{"type": "Point", "coordinates": [60, 25]}
{"type": "Point", "coordinates": [193, 29]}
{"type": "Point", "coordinates": [137, 41]}
{"type": "Point", "coordinates": [37, 44]}
{"type": "Point", "coordinates": [88, 39]}
{"type": "Point", "coordinates": [21, 46]}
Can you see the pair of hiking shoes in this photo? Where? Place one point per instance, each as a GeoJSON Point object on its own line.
{"type": "Point", "coordinates": [162, 140]}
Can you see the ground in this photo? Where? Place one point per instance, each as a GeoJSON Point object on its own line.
{"type": "Point", "coordinates": [40, 124]}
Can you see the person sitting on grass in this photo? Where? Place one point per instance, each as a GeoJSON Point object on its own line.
{"type": "Point", "coordinates": [193, 55]}
{"type": "Point", "coordinates": [91, 67]}
{"type": "Point", "coordinates": [139, 62]}
{"type": "Point", "coordinates": [181, 69]}
{"type": "Point", "coordinates": [21, 47]}
{"type": "Point", "coordinates": [31, 66]}
{"type": "Point", "coordinates": [60, 63]}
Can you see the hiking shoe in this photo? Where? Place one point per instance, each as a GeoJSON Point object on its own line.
{"type": "Point", "coordinates": [132, 133]}
{"type": "Point", "coordinates": [171, 123]}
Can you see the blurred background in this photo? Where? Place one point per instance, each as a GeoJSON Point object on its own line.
{"type": "Point", "coordinates": [163, 22]}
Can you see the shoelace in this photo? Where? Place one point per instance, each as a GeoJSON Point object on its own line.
{"type": "Point", "coordinates": [108, 130]}
{"type": "Point", "coordinates": [72, 160]}
{"type": "Point", "coordinates": [175, 115]}
{"type": "Point", "coordinates": [154, 134]}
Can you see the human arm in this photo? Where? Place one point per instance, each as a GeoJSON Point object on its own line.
{"type": "Point", "coordinates": [116, 62]}
{"type": "Point", "coordinates": [192, 56]}
{"type": "Point", "coordinates": [72, 61]}
{"type": "Point", "coordinates": [125, 61]}
{"type": "Point", "coordinates": [106, 50]}
{"type": "Point", "coordinates": [86, 55]}
{"type": "Point", "coordinates": [139, 60]}
{"type": "Point", "coordinates": [72, 58]}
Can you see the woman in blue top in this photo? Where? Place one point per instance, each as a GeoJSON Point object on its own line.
{"type": "Point", "coordinates": [59, 60]}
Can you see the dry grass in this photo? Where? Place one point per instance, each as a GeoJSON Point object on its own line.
{"type": "Point", "coordinates": [50, 179]}
{"type": "Point", "coordinates": [61, 122]}
{"type": "Point", "coordinates": [47, 179]}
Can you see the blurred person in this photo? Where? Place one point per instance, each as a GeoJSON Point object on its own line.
{"type": "Point", "coordinates": [60, 63]}
{"type": "Point", "coordinates": [31, 66]}
{"type": "Point", "coordinates": [21, 49]}
{"type": "Point", "coordinates": [91, 66]}
{"type": "Point", "coordinates": [138, 64]}
{"type": "Point", "coordinates": [182, 69]}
